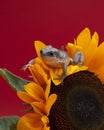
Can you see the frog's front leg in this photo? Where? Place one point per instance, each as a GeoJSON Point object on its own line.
{"type": "Point", "coordinates": [64, 70]}
{"type": "Point", "coordinates": [30, 63]}
{"type": "Point", "coordinates": [63, 75]}
{"type": "Point", "coordinates": [78, 58]}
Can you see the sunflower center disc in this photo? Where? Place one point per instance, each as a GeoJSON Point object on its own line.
{"type": "Point", "coordinates": [83, 107]}
{"type": "Point", "coordinates": [79, 104]}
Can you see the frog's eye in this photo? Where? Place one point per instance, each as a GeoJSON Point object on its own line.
{"type": "Point", "coordinates": [41, 51]}
{"type": "Point", "coordinates": [50, 53]}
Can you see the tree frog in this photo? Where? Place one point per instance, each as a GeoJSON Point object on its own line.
{"type": "Point", "coordinates": [60, 59]}
{"type": "Point", "coordinates": [57, 58]}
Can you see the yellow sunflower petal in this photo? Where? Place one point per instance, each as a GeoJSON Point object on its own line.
{"type": "Point", "coordinates": [41, 72]}
{"type": "Point", "coordinates": [46, 128]}
{"type": "Point", "coordinates": [73, 69]}
{"type": "Point", "coordinates": [100, 73]}
{"type": "Point", "coordinates": [48, 87]}
{"type": "Point", "coordinates": [84, 38]}
{"type": "Point", "coordinates": [45, 120]}
{"type": "Point", "coordinates": [42, 64]}
{"type": "Point", "coordinates": [95, 37]}
{"type": "Point", "coordinates": [38, 46]}
{"type": "Point", "coordinates": [72, 49]}
{"type": "Point", "coordinates": [51, 100]}
{"type": "Point", "coordinates": [88, 53]}
{"type": "Point", "coordinates": [39, 75]}
{"type": "Point", "coordinates": [35, 91]}
{"type": "Point", "coordinates": [30, 122]}
{"type": "Point", "coordinates": [97, 60]}
{"type": "Point", "coordinates": [39, 107]}
{"type": "Point", "coordinates": [25, 97]}
{"type": "Point", "coordinates": [55, 74]}
{"type": "Point", "coordinates": [35, 74]}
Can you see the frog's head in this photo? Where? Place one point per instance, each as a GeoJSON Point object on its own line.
{"type": "Point", "coordinates": [49, 52]}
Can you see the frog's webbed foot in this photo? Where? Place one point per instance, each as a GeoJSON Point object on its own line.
{"type": "Point", "coordinates": [78, 58]}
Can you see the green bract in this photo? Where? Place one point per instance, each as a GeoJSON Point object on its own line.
{"type": "Point", "coordinates": [14, 81]}
{"type": "Point", "coordinates": [8, 122]}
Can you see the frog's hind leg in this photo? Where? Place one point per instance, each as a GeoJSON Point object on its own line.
{"type": "Point", "coordinates": [78, 58]}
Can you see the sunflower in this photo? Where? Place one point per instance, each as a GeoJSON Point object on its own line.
{"type": "Point", "coordinates": [77, 103]}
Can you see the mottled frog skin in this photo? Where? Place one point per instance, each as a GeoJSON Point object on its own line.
{"type": "Point", "coordinates": [60, 59]}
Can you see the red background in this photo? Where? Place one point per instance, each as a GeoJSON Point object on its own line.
{"type": "Point", "coordinates": [52, 21]}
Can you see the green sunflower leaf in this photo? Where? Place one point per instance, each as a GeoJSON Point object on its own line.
{"type": "Point", "coordinates": [13, 80]}
{"type": "Point", "coordinates": [8, 122]}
